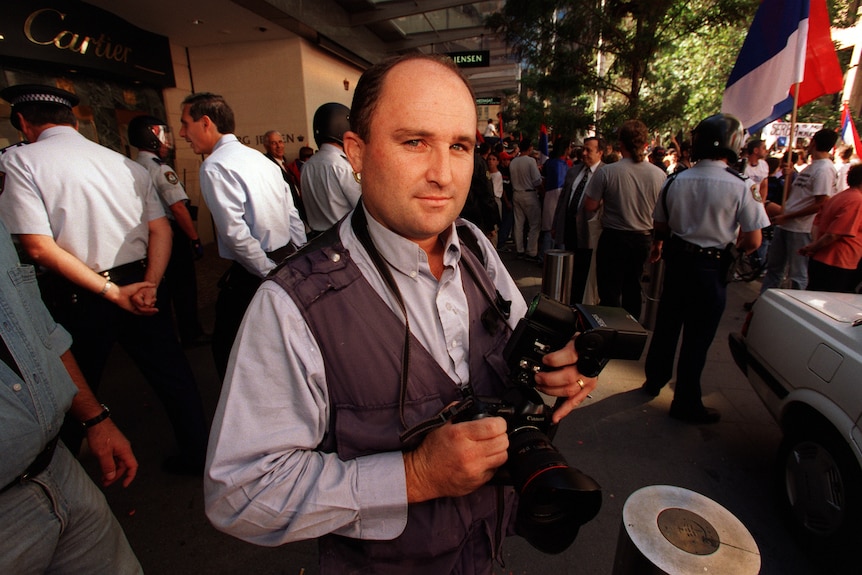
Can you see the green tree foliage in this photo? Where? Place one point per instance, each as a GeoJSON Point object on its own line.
{"type": "Point", "coordinates": [667, 60]}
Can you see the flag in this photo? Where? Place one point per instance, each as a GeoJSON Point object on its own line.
{"type": "Point", "coordinates": [823, 73]}
{"type": "Point", "coordinates": [789, 42]}
{"type": "Point", "coordinates": [543, 141]}
{"type": "Point", "coordinates": [848, 130]}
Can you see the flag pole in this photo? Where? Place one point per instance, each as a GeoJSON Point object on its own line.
{"type": "Point", "coordinates": [791, 139]}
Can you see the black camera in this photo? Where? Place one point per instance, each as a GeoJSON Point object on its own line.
{"type": "Point", "coordinates": [605, 333]}
{"type": "Point", "coordinates": [554, 498]}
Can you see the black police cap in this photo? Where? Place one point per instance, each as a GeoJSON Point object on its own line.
{"type": "Point", "coordinates": [24, 93]}
{"type": "Point", "coordinates": [37, 93]}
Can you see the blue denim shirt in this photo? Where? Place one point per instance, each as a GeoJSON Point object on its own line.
{"type": "Point", "coordinates": [32, 409]}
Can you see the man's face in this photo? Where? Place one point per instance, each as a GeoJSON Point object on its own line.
{"type": "Point", "coordinates": [274, 145]}
{"type": "Point", "coordinates": [759, 151]}
{"type": "Point", "coordinates": [591, 153]}
{"type": "Point", "coordinates": [417, 163]}
{"type": "Point", "coordinates": [195, 132]}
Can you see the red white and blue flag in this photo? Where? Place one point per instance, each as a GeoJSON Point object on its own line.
{"type": "Point", "coordinates": [789, 42]}
{"type": "Point", "coordinates": [848, 130]}
{"type": "Point", "coordinates": [543, 140]}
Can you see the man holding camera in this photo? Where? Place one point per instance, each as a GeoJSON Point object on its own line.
{"type": "Point", "coordinates": [372, 329]}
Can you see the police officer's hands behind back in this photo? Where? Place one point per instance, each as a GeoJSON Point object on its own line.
{"type": "Point", "coordinates": [138, 298]}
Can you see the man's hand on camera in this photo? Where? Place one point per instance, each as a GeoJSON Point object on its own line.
{"type": "Point", "coordinates": [566, 381]}
{"type": "Point", "coordinates": [456, 459]}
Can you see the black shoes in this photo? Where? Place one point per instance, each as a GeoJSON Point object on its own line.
{"type": "Point", "coordinates": [650, 390]}
{"type": "Point", "coordinates": [696, 416]}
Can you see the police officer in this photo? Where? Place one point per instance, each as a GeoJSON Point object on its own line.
{"type": "Point", "coordinates": [153, 139]}
{"type": "Point", "coordinates": [697, 220]}
{"type": "Point", "coordinates": [329, 188]}
{"type": "Point", "coordinates": [92, 218]}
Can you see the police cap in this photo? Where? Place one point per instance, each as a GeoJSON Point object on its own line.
{"type": "Point", "coordinates": [36, 93]}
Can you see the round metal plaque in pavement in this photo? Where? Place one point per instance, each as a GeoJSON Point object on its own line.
{"type": "Point", "coordinates": [688, 531]}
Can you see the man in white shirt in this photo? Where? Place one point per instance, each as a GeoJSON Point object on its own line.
{"type": "Point", "coordinates": [811, 187]}
{"type": "Point", "coordinates": [329, 187]}
{"type": "Point", "coordinates": [755, 167]}
{"type": "Point", "coordinates": [257, 225]}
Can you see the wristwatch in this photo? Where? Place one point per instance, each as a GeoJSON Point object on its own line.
{"type": "Point", "coordinates": [106, 413]}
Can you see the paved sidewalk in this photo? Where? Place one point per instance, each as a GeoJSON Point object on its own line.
{"type": "Point", "coordinates": [622, 438]}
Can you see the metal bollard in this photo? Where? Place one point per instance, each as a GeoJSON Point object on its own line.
{"type": "Point", "coordinates": [557, 275]}
{"type": "Point", "coordinates": [669, 530]}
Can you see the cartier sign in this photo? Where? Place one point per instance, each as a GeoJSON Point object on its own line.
{"type": "Point", "coordinates": [80, 36]}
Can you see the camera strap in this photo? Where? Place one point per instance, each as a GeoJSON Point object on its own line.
{"type": "Point", "coordinates": [360, 228]}
{"type": "Point", "coordinates": [446, 414]}
{"type": "Point", "coordinates": [502, 307]}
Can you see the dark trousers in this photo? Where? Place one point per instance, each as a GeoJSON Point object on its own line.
{"type": "Point", "coordinates": [96, 325]}
{"type": "Point", "coordinates": [823, 277]}
{"type": "Point", "coordinates": [693, 298]}
{"type": "Point", "coordinates": [181, 286]}
{"type": "Point", "coordinates": [507, 222]}
{"type": "Point", "coordinates": [620, 258]}
{"type": "Point", "coordinates": [580, 273]}
{"type": "Point", "coordinates": [237, 288]}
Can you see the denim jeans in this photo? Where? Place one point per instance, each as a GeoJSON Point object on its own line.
{"type": "Point", "coordinates": [59, 522]}
{"type": "Point", "coordinates": [784, 257]}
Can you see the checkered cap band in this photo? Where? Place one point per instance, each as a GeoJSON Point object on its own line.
{"type": "Point", "coordinates": [36, 97]}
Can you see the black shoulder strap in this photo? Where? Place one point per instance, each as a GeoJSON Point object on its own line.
{"type": "Point", "coordinates": [468, 239]}
{"type": "Point", "coordinates": [664, 190]}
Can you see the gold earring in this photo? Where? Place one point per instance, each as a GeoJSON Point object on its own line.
{"type": "Point", "coordinates": [358, 177]}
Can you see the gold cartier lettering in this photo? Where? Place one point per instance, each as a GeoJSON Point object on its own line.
{"type": "Point", "coordinates": [65, 40]}
{"type": "Point", "coordinates": [74, 42]}
{"type": "Point", "coordinates": [28, 26]}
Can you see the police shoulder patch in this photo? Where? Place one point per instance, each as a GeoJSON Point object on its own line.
{"type": "Point", "coordinates": [172, 178]}
{"type": "Point", "coordinates": [755, 192]}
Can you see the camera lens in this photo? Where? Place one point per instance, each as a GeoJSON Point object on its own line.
{"type": "Point", "coordinates": [555, 499]}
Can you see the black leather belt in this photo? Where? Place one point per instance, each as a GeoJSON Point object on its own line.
{"type": "Point", "coordinates": [40, 463]}
{"type": "Point", "coordinates": [281, 253]}
{"type": "Point", "coordinates": [127, 273]}
{"type": "Point", "coordinates": [685, 247]}
{"type": "Point", "coordinates": [627, 232]}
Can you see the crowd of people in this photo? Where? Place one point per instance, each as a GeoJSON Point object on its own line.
{"type": "Point", "coordinates": [330, 424]}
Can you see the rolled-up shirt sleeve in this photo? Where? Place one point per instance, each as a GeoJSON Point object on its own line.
{"type": "Point", "coordinates": [266, 482]}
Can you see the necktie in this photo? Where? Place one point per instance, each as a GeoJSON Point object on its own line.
{"type": "Point", "coordinates": [571, 225]}
{"type": "Point", "coordinates": [579, 191]}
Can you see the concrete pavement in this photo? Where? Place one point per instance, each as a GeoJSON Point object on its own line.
{"type": "Point", "coordinates": [620, 437]}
